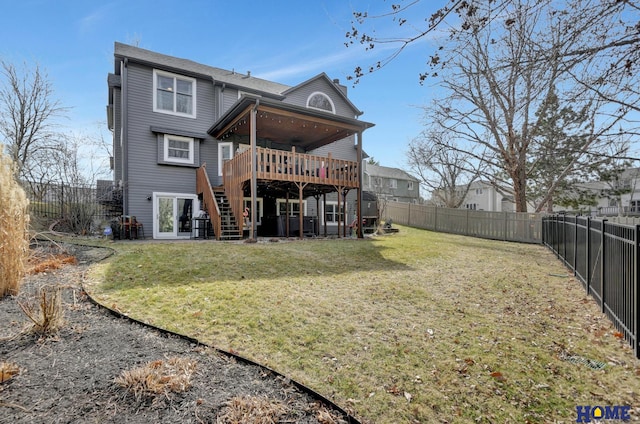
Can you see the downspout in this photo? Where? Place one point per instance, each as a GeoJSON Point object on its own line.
{"type": "Point", "coordinates": [216, 107]}
{"type": "Point", "coordinates": [125, 137]}
{"type": "Point", "coordinates": [253, 163]}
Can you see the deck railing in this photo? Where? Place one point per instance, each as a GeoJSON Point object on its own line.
{"type": "Point", "coordinates": [203, 185]}
{"type": "Point", "coordinates": [282, 165]}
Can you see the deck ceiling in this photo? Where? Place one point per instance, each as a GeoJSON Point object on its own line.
{"type": "Point", "coordinates": [287, 124]}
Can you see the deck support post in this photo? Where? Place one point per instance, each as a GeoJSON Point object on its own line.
{"type": "Point", "coordinates": [324, 212]}
{"type": "Point", "coordinates": [301, 187]}
{"type": "Point", "coordinates": [286, 220]}
{"type": "Point", "coordinates": [253, 162]}
{"type": "Point", "coordinates": [344, 193]}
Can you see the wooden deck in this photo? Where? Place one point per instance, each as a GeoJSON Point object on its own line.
{"type": "Point", "coordinates": [323, 174]}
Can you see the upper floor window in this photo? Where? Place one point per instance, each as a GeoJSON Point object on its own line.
{"type": "Point", "coordinates": [320, 101]}
{"type": "Point", "coordinates": [478, 191]}
{"type": "Point", "coordinates": [174, 94]}
{"type": "Point", "coordinates": [393, 183]}
{"type": "Point", "coordinates": [410, 185]}
{"type": "Point", "coordinates": [178, 149]}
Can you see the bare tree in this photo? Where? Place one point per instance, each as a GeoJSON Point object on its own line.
{"type": "Point", "coordinates": [612, 27]}
{"type": "Point", "coordinates": [496, 89]}
{"type": "Point", "coordinates": [28, 110]}
{"type": "Point", "coordinates": [447, 172]}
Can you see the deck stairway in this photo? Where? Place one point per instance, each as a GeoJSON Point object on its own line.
{"type": "Point", "coordinates": [229, 229]}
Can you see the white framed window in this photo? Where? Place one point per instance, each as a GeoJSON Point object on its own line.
{"type": "Point", "coordinates": [319, 100]}
{"type": "Point", "coordinates": [225, 153]}
{"type": "Point", "coordinates": [472, 206]}
{"type": "Point", "coordinates": [410, 185]}
{"type": "Point", "coordinates": [377, 181]}
{"type": "Point", "coordinates": [294, 207]}
{"type": "Point", "coordinates": [478, 191]}
{"type": "Point", "coordinates": [178, 149]}
{"type": "Point", "coordinates": [332, 214]}
{"type": "Point", "coordinates": [393, 183]}
{"type": "Point", "coordinates": [174, 94]}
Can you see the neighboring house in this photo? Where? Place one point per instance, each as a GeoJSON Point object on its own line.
{"type": "Point", "coordinates": [391, 184]}
{"type": "Point", "coordinates": [621, 197]}
{"type": "Point", "coordinates": [483, 196]}
{"type": "Point", "coordinates": [189, 138]}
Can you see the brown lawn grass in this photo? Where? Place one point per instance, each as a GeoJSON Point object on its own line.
{"type": "Point", "coordinates": [414, 327]}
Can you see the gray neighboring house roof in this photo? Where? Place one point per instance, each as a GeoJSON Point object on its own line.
{"type": "Point", "coordinates": [387, 172]}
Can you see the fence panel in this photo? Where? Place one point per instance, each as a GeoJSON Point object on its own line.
{"type": "Point", "coordinates": [594, 283]}
{"type": "Point", "coordinates": [619, 277]}
{"type": "Point", "coordinates": [604, 257]}
{"type": "Point", "coordinates": [510, 226]}
{"type": "Point", "coordinates": [582, 252]}
{"type": "Point", "coordinates": [80, 209]}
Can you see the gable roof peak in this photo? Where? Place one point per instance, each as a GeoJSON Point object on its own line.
{"type": "Point", "coordinates": [340, 89]}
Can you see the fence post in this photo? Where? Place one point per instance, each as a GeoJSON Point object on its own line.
{"type": "Point", "coordinates": [504, 228]}
{"type": "Point", "coordinates": [636, 298]}
{"type": "Point", "coordinates": [588, 254]}
{"type": "Point", "coordinates": [466, 224]}
{"type": "Point", "coordinates": [602, 265]}
{"type": "Point", "coordinates": [575, 244]}
{"type": "Point", "coordinates": [409, 215]}
{"type": "Point", "coordinates": [61, 200]}
{"type": "Point", "coordinates": [435, 219]}
{"type": "Point", "coordinates": [564, 237]}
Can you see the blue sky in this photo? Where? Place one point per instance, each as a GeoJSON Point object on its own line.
{"type": "Point", "coordinates": [284, 41]}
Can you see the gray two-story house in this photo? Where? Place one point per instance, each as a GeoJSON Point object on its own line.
{"type": "Point", "coordinates": [193, 141]}
{"type": "Point", "coordinates": [390, 184]}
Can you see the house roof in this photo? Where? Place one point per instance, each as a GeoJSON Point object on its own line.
{"type": "Point", "coordinates": [191, 68]}
{"type": "Point", "coordinates": [387, 172]}
{"type": "Point", "coordinates": [283, 122]}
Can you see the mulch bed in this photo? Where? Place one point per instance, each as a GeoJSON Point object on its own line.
{"type": "Point", "coordinates": [69, 377]}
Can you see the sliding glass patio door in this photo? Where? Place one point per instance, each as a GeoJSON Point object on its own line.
{"type": "Point", "coordinates": [173, 215]}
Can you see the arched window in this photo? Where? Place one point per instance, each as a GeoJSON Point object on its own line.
{"type": "Point", "coordinates": [320, 101]}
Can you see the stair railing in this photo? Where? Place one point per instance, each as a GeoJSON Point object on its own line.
{"type": "Point", "coordinates": [203, 186]}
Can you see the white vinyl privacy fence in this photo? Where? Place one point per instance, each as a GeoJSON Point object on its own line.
{"type": "Point", "coordinates": [508, 226]}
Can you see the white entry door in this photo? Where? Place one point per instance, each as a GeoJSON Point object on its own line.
{"type": "Point", "coordinates": [173, 215]}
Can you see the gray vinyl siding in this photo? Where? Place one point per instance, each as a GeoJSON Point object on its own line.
{"type": "Point", "coordinates": [229, 97]}
{"type": "Point", "coordinates": [342, 149]}
{"type": "Point", "coordinates": [147, 174]}
{"type": "Point", "coordinates": [299, 97]}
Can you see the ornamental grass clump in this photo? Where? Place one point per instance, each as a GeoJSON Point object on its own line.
{"type": "Point", "coordinates": [45, 311]}
{"type": "Point", "coordinates": [14, 226]}
{"type": "Point", "coordinates": [159, 377]}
